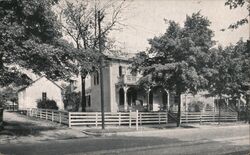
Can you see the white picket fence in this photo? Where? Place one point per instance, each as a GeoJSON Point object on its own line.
{"type": "Point", "coordinates": [126, 118]}
{"type": "Point", "coordinates": [61, 117]}
{"type": "Point", "coordinates": [119, 118]}
{"type": "Point", "coordinates": [95, 119]}
{"type": "Point", "coordinates": [200, 117]}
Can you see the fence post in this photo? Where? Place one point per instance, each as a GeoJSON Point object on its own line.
{"type": "Point", "coordinates": [213, 116]}
{"type": "Point", "coordinates": [27, 112]}
{"type": "Point", "coordinates": [186, 113]}
{"type": "Point", "coordinates": [69, 119]}
{"type": "Point", "coordinates": [119, 118]}
{"type": "Point", "coordinates": [200, 118]}
{"type": "Point", "coordinates": [46, 114]}
{"type": "Point", "coordinates": [136, 120]}
{"type": "Point", "coordinates": [60, 117]}
{"type": "Point", "coordinates": [41, 114]}
{"type": "Point", "coordinates": [96, 119]}
{"type": "Point", "coordinates": [52, 116]}
{"type": "Point", "coordinates": [159, 118]}
{"type": "Point", "coordinates": [129, 118]}
{"type": "Point", "coordinates": [140, 119]}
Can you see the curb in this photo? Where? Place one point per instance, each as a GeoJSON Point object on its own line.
{"type": "Point", "coordinates": [99, 134]}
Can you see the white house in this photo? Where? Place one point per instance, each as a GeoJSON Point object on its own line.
{"type": "Point", "coordinates": [40, 89]}
{"type": "Point", "coordinates": [121, 92]}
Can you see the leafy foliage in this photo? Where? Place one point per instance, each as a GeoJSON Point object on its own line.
{"type": "Point", "coordinates": [7, 94]}
{"type": "Point", "coordinates": [47, 104]}
{"type": "Point", "coordinates": [177, 59]}
{"type": "Point", "coordinates": [79, 20]}
{"type": "Point", "coordinates": [29, 38]}
{"type": "Point", "coordinates": [230, 67]}
{"type": "Point", "coordinates": [196, 106]}
{"type": "Point", "coordinates": [71, 99]}
{"type": "Point", "coordinates": [233, 4]}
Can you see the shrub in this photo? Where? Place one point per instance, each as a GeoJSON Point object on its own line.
{"type": "Point", "coordinates": [47, 104]}
{"type": "Point", "coordinates": [71, 100]}
{"type": "Point", "coordinates": [196, 106]}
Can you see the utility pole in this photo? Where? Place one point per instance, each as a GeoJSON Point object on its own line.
{"type": "Point", "coordinates": [100, 18]}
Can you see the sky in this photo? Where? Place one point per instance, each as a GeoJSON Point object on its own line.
{"type": "Point", "coordinates": [144, 19]}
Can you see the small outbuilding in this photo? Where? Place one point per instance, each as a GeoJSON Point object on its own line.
{"type": "Point", "coordinates": [40, 89]}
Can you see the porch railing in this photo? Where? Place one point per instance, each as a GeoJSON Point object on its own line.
{"type": "Point", "coordinates": [128, 79]}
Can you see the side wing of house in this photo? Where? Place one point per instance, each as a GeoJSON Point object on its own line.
{"type": "Point", "coordinates": [94, 92]}
{"type": "Point", "coordinates": [42, 88]}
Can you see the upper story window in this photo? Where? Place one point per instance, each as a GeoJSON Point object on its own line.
{"type": "Point", "coordinates": [120, 71]}
{"type": "Point", "coordinates": [72, 82]}
{"type": "Point", "coordinates": [44, 96]}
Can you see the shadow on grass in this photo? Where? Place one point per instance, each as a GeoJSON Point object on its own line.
{"type": "Point", "coordinates": [23, 129]}
{"type": "Point", "coordinates": [171, 126]}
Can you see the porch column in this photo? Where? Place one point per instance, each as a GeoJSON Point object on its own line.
{"type": "Point", "coordinates": [168, 104]}
{"type": "Point", "coordinates": [186, 105]}
{"type": "Point", "coordinates": [125, 99]}
{"type": "Point", "coordinates": [214, 104]}
{"type": "Point", "coordinates": [227, 102]}
{"type": "Point", "coordinates": [238, 106]}
{"type": "Point", "coordinates": [148, 95]}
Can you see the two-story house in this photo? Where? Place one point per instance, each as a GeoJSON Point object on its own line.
{"type": "Point", "coordinates": [121, 92]}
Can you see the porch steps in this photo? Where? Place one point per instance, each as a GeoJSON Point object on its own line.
{"type": "Point", "coordinates": [172, 117]}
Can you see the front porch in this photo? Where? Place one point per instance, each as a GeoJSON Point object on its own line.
{"type": "Point", "coordinates": [131, 98]}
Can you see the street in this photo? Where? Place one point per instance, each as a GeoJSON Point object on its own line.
{"type": "Point", "coordinates": [203, 140]}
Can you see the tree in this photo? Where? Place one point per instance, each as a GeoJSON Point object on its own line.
{"type": "Point", "coordinates": [7, 94]}
{"type": "Point", "coordinates": [30, 39]}
{"type": "Point", "coordinates": [79, 22]}
{"type": "Point", "coordinates": [177, 59]}
{"type": "Point", "coordinates": [230, 71]}
{"type": "Point", "coordinates": [233, 4]}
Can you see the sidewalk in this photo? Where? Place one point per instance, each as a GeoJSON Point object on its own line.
{"type": "Point", "coordinates": [20, 128]}
{"type": "Point", "coordinates": [156, 129]}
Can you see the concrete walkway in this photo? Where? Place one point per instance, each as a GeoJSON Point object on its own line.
{"type": "Point", "coordinates": [23, 129]}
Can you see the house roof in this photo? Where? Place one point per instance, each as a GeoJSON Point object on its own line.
{"type": "Point", "coordinates": [120, 56]}
{"type": "Point", "coordinates": [36, 81]}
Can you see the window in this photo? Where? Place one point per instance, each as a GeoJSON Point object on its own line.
{"type": "Point", "coordinates": [121, 96]}
{"type": "Point", "coordinates": [44, 96]}
{"type": "Point", "coordinates": [96, 78]}
{"type": "Point", "coordinates": [177, 99]}
{"type": "Point", "coordinates": [120, 70]}
{"type": "Point", "coordinates": [88, 100]}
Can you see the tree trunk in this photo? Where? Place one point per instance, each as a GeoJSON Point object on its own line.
{"type": "Point", "coordinates": [247, 119]}
{"type": "Point", "coordinates": [179, 110]}
{"type": "Point", "coordinates": [1, 61]}
{"type": "Point", "coordinates": [83, 101]}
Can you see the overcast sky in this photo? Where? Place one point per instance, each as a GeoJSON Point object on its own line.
{"type": "Point", "coordinates": [144, 20]}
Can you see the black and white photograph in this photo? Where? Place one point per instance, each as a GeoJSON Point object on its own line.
{"type": "Point", "coordinates": [124, 77]}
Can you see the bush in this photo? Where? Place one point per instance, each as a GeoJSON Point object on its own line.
{"type": "Point", "coordinates": [47, 104]}
{"type": "Point", "coordinates": [195, 106]}
{"type": "Point", "coordinates": [72, 101]}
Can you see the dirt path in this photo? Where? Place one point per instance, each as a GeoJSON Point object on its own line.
{"type": "Point", "coordinates": [23, 129]}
